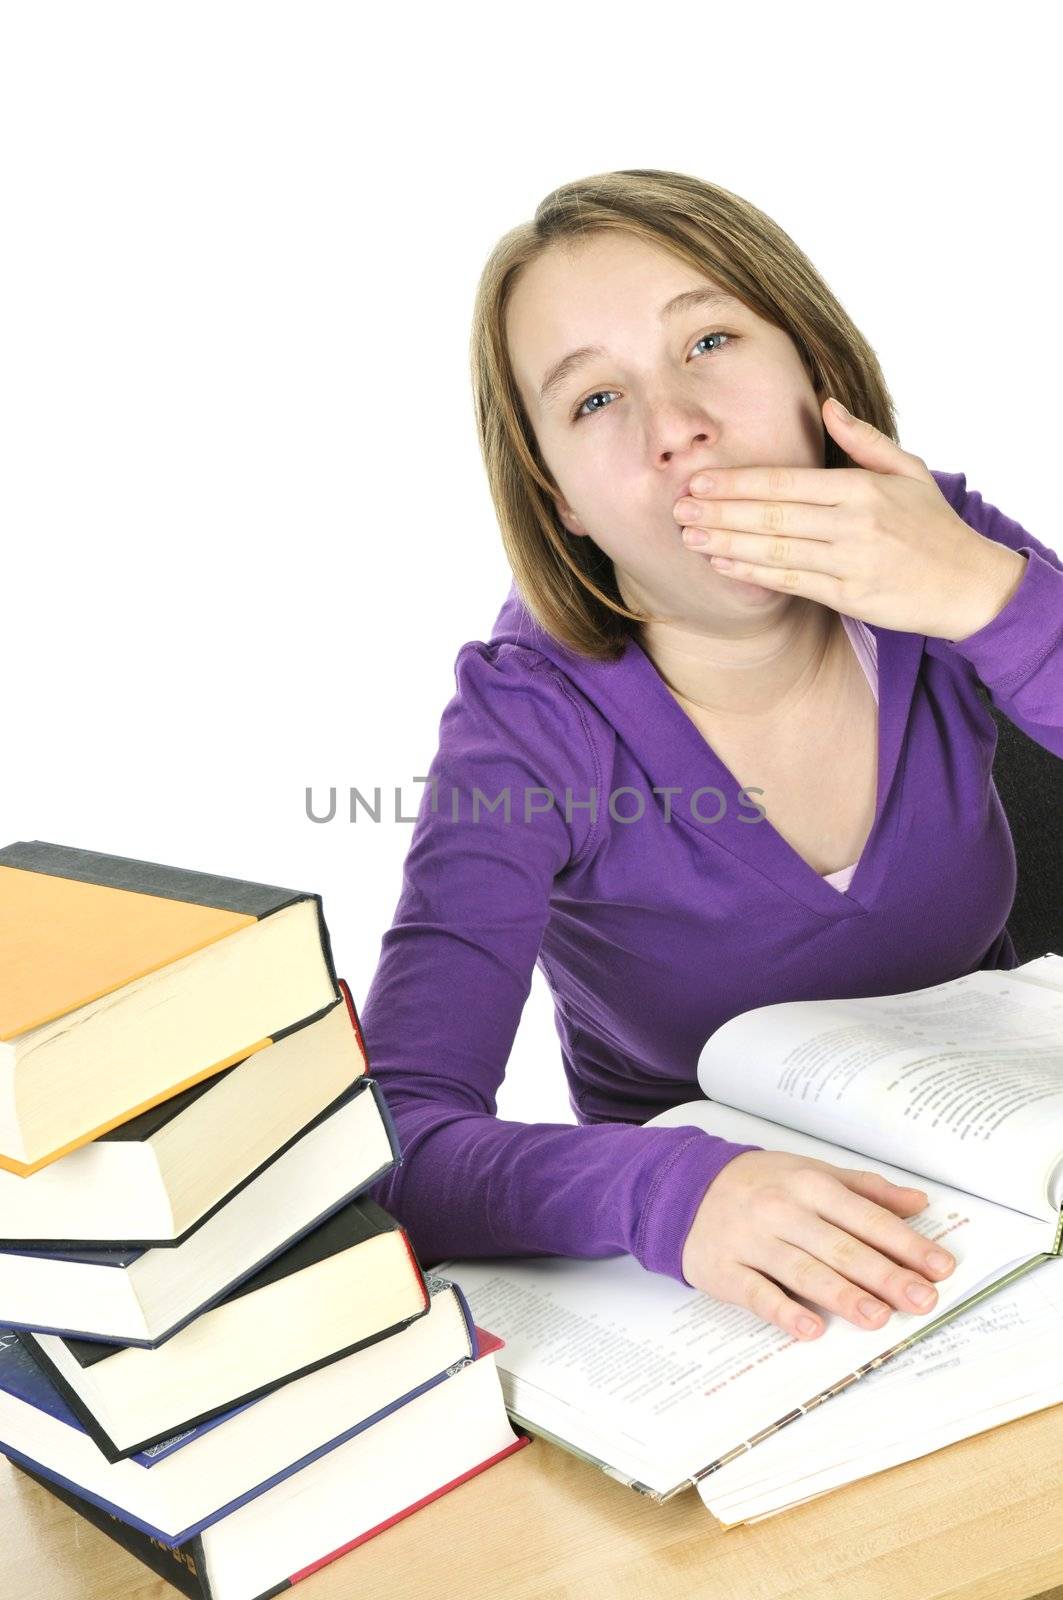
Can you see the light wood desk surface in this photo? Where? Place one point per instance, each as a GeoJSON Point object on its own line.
{"type": "Point", "coordinates": [980, 1520]}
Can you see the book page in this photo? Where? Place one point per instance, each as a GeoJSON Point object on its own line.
{"type": "Point", "coordinates": [1046, 969]}
{"type": "Point", "coordinates": [756, 1505]}
{"type": "Point", "coordinates": [997, 1360]}
{"type": "Point", "coordinates": [962, 1081]}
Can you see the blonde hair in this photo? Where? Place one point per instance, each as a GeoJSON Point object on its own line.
{"type": "Point", "coordinates": [568, 585]}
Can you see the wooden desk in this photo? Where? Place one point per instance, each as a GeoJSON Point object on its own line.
{"type": "Point", "coordinates": [981, 1520]}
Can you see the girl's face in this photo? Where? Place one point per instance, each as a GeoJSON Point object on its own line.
{"type": "Point", "coordinates": [669, 391]}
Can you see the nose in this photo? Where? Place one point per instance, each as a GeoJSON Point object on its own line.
{"type": "Point", "coordinates": [692, 459]}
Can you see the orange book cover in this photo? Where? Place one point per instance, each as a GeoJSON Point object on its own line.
{"type": "Point", "coordinates": [76, 925]}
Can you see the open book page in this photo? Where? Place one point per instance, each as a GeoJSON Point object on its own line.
{"type": "Point", "coordinates": [971, 1227]}
{"type": "Point", "coordinates": [1002, 1348]}
{"type": "Point", "coordinates": [994, 1362]}
{"type": "Point", "coordinates": [962, 1081]}
{"type": "Point", "coordinates": [660, 1379]}
{"type": "Point", "coordinates": [1047, 970]}
{"type": "Point", "coordinates": [765, 1503]}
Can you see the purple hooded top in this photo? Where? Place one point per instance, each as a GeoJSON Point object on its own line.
{"type": "Point", "coordinates": [663, 906]}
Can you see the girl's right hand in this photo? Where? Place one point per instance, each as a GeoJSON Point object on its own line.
{"type": "Point", "coordinates": [829, 1233]}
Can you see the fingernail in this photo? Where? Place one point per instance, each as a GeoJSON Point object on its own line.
{"type": "Point", "coordinates": [805, 1325]}
{"type": "Point", "coordinates": [839, 408]}
{"type": "Point", "coordinates": [938, 1260]}
{"type": "Point", "coordinates": [870, 1308]}
{"type": "Point", "coordinates": [694, 539]}
{"type": "Point", "coordinates": [921, 1294]}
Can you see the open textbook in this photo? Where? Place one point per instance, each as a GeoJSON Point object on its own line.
{"type": "Point", "coordinates": [955, 1089]}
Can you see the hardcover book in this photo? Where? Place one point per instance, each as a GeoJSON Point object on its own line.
{"type": "Point", "coordinates": [447, 1435]}
{"type": "Point", "coordinates": [349, 1282]}
{"type": "Point", "coordinates": [144, 1297]}
{"type": "Point", "coordinates": [155, 1179]}
{"type": "Point", "coordinates": [123, 982]}
{"type": "Point", "coordinates": [187, 1483]}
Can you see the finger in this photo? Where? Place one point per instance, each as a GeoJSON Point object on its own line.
{"type": "Point", "coordinates": [818, 523]}
{"type": "Point", "coordinates": [819, 586]}
{"type": "Point", "coordinates": [775, 549]}
{"type": "Point", "coordinates": [865, 1216]}
{"type": "Point", "coordinates": [751, 1289]}
{"type": "Point", "coordinates": [863, 1282]}
{"type": "Point", "coordinates": [823, 486]}
{"type": "Point", "coordinates": [809, 1274]}
{"type": "Point", "coordinates": [880, 1188]}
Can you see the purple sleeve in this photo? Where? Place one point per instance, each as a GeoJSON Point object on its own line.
{"type": "Point", "coordinates": [454, 973]}
{"type": "Point", "coordinates": [1018, 656]}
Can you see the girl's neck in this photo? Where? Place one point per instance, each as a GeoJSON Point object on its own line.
{"type": "Point", "coordinates": [761, 676]}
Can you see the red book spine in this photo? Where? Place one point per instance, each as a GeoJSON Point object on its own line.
{"type": "Point", "coordinates": [355, 1024]}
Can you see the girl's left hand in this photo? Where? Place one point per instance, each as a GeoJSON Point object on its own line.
{"type": "Point", "coordinates": [878, 542]}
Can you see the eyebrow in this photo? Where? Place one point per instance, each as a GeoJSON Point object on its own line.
{"type": "Point", "coordinates": [686, 301]}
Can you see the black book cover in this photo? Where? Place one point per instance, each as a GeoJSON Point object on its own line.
{"type": "Point", "coordinates": [361, 1219]}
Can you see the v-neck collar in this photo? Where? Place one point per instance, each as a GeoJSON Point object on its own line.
{"type": "Point", "coordinates": [667, 741]}
{"type": "Point", "coordinates": [674, 753]}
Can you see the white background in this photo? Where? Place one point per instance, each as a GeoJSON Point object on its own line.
{"type": "Point", "coordinates": [244, 520]}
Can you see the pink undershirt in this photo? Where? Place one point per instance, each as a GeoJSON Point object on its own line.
{"type": "Point", "coordinates": [866, 646]}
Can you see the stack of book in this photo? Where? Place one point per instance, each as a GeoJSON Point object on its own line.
{"type": "Point", "coordinates": [214, 1345]}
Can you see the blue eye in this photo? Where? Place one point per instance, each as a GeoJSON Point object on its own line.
{"type": "Point", "coordinates": [579, 413]}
